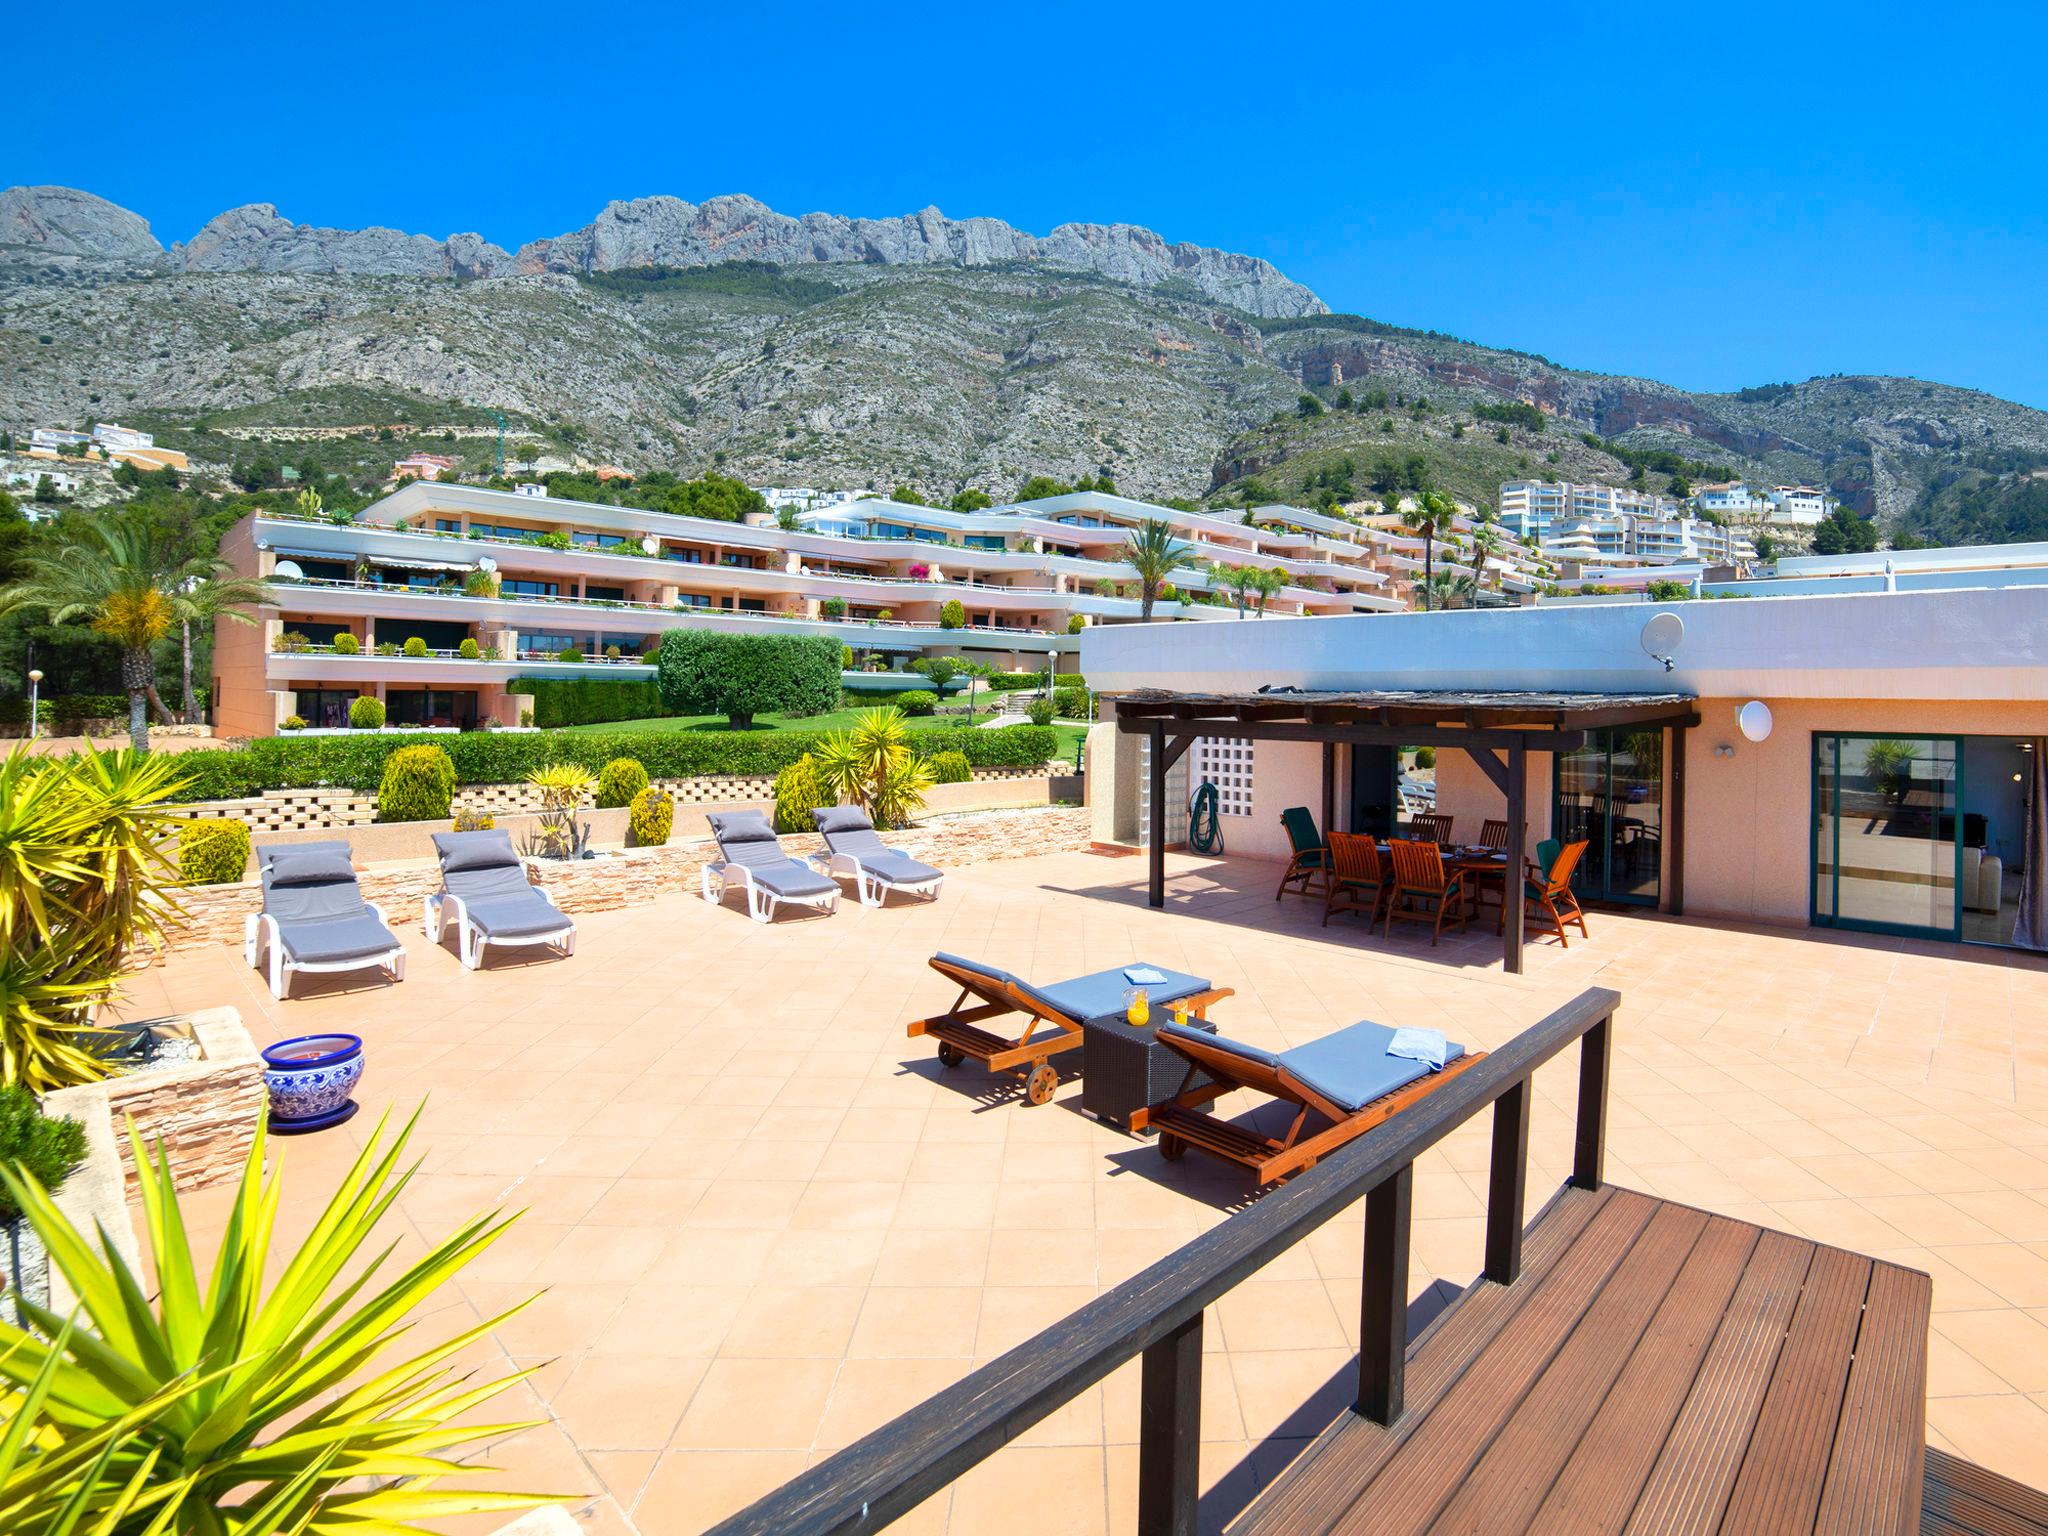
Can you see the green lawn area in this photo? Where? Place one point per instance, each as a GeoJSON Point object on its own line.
{"type": "Point", "coordinates": [837, 720]}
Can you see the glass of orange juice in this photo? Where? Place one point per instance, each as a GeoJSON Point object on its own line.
{"type": "Point", "coordinates": [1138, 1007]}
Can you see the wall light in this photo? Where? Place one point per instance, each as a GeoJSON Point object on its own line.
{"type": "Point", "coordinates": [1723, 749]}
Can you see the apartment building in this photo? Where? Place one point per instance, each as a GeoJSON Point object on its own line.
{"type": "Point", "coordinates": [1615, 526]}
{"type": "Point", "coordinates": [525, 578]}
{"type": "Point", "coordinates": [1782, 506]}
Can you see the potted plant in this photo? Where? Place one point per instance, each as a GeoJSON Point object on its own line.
{"type": "Point", "coordinates": [51, 1148]}
{"type": "Point", "coordinates": [310, 1080]}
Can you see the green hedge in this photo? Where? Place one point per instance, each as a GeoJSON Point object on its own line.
{"type": "Point", "coordinates": [494, 757]}
{"type": "Point", "coordinates": [90, 706]}
{"type": "Point", "coordinates": [1010, 682]}
{"type": "Point", "coordinates": [559, 701]}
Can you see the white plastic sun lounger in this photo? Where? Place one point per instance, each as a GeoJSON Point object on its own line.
{"type": "Point", "coordinates": [852, 848]}
{"type": "Point", "coordinates": [750, 856]}
{"type": "Point", "coordinates": [486, 895]}
{"type": "Point", "coordinates": [314, 917]}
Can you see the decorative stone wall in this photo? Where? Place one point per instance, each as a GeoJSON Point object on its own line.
{"type": "Point", "coordinates": [205, 1111]}
{"type": "Point", "coordinates": [293, 810]}
{"type": "Point", "coordinates": [214, 914]}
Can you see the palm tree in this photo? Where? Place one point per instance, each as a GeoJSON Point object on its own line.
{"type": "Point", "coordinates": [205, 598]}
{"type": "Point", "coordinates": [1448, 589]}
{"type": "Point", "coordinates": [977, 672]}
{"type": "Point", "coordinates": [1155, 555]}
{"type": "Point", "coordinates": [133, 578]}
{"type": "Point", "coordinates": [1268, 584]}
{"type": "Point", "coordinates": [1485, 544]}
{"type": "Point", "coordinates": [1429, 513]}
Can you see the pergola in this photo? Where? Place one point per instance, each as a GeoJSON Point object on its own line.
{"type": "Point", "coordinates": [1497, 730]}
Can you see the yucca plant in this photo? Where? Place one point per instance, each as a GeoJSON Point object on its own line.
{"type": "Point", "coordinates": [871, 766]}
{"type": "Point", "coordinates": [557, 834]}
{"type": "Point", "coordinates": [83, 879]}
{"type": "Point", "coordinates": [241, 1410]}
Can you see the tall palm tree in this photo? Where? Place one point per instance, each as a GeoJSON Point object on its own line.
{"type": "Point", "coordinates": [1429, 513]}
{"type": "Point", "coordinates": [1155, 554]}
{"type": "Point", "coordinates": [132, 578]}
{"type": "Point", "coordinates": [1486, 544]}
{"type": "Point", "coordinates": [1268, 584]}
{"type": "Point", "coordinates": [202, 599]}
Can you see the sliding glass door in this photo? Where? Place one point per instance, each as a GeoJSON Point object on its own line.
{"type": "Point", "coordinates": [1611, 794]}
{"type": "Point", "coordinates": [1887, 841]}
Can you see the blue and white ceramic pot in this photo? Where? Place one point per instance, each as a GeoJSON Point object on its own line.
{"type": "Point", "coordinates": [310, 1080]}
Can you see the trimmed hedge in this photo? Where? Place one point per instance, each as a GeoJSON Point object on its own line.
{"type": "Point", "coordinates": [63, 707]}
{"type": "Point", "coordinates": [701, 671]}
{"type": "Point", "coordinates": [797, 793]}
{"type": "Point", "coordinates": [650, 817]}
{"type": "Point", "coordinates": [365, 713]}
{"type": "Point", "coordinates": [619, 781]}
{"type": "Point", "coordinates": [417, 785]}
{"type": "Point", "coordinates": [1010, 682]}
{"type": "Point", "coordinates": [213, 852]}
{"type": "Point", "coordinates": [559, 701]}
{"type": "Point", "coordinates": [918, 701]}
{"type": "Point", "coordinates": [951, 768]}
{"type": "Point", "coordinates": [495, 757]}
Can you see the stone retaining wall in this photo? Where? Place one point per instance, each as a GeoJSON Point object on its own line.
{"type": "Point", "coordinates": [292, 810]}
{"type": "Point", "coordinates": [214, 914]}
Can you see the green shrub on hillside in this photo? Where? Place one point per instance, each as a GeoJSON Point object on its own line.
{"type": "Point", "coordinates": [619, 781]}
{"type": "Point", "coordinates": [651, 817]}
{"type": "Point", "coordinates": [741, 676]}
{"type": "Point", "coordinates": [487, 757]}
{"type": "Point", "coordinates": [213, 852]}
{"type": "Point", "coordinates": [418, 784]}
{"type": "Point", "coordinates": [918, 701]}
{"type": "Point", "coordinates": [798, 792]}
{"type": "Point", "coordinates": [951, 768]}
{"type": "Point", "coordinates": [366, 713]}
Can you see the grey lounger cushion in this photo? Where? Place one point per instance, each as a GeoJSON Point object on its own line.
{"type": "Point", "coordinates": [746, 839]}
{"type": "Point", "coordinates": [847, 830]}
{"type": "Point", "coordinates": [1089, 999]}
{"type": "Point", "coordinates": [321, 916]}
{"type": "Point", "coordinates": [1350, 1067]}
{"type": "Point", "coordinates": [486, 871]}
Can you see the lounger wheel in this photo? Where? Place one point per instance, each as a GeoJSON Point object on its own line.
{"type": "Point", "coordinates": [1171, 1146]}
{"type": "Point", "coordinates": [1039, 1085]}
{"type": "Point", "coordinates": [950, 1055]}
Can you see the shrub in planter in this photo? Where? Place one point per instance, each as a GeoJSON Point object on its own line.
{"type": "Point", "coordinates": [612, 653]}
{"type": "Point", "coordinates": [366, 712]}
{"type": "Point", "coordinates": [50, 1148]}
{"type": "Point", "coordinates": [292, 723]}
{"type": "Point", "coordinates": [414, 646]}
{"type": "Point", "coordinates": [651, 816]}
{"type": "Point", "coordinates": [346, 644]}
{"type": "Point", "coordinates": [526, 717]}
{"type": "Point", "coordinates": [1075, 623]}
{"type": "Point", "coordinates": [951, 768]}
{"type": "Point", "coordinates": [798, 792]}
{"type": "Point", "coordinates": [1040, 711]}
{"type": "Point", "coordinates": [417, 786]}
{"type": "Point", "coordinates": [619, 782]}
{"type": "Point", "coordinates": [918, 701]}
{"type": "Point", "coordinates": [213, 852]}
{"type": "Point", "coordinates": [568, 653]}
{"type": "Point", "coordinates": [469, 820]}
{"type": "Point", "coordinates": [469, 650]}
{"type": "Point", "coordinates": [953, 614]}
{"type": "Point", "coordinates": [834, 608]}
{"type": "Point", "coordinates": [387, 647]}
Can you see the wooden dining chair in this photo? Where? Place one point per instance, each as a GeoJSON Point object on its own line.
{"type": "Point", "coordinates": [1359, 877]}
{"type": "Point", "coordinates": [1494, 835]}
{"type": "Point", "coordinates": [1432, 826]}
{"type": "Point", "coordinates": [1547, 889]}
{"type": "Point", "coordinates": [1423, 892]}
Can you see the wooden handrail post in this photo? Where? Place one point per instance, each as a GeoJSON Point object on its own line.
{"type": "Point", "coordinates": [1507, 1184]}
{"type": "Point", "coordinates": [1589, 1143]}
{"type": "Point", "coordinates": [1170, 1432]}
{"type": "Point", "coordinates": [1383, 1306]}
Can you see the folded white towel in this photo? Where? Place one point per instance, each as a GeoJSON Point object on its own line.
{"type": "Point", "coordinates": [1143, 976]}
{"type": "Point", "coordinates": [1424, 1045]}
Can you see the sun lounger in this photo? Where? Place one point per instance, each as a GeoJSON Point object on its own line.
{"type": "Point", "coordinates": [852, 848]}
{"type": "Point", "coordinates": [1054, 1015]}
{"type": "Point", "coordinates": [487, 896]}
{"type": "Point", "coordinates": [314, 917]}
{"type": "Point", "coordinates": [750, 855]}
{"type": "Point", "coordinates": [1346, 1078]}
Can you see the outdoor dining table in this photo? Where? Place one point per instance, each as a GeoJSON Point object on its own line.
{"type": "Point", "coordinates": [1483, 869]}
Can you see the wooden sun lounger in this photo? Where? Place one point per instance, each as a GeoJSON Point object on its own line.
{"type": "Point", "coordinates": [1229, 1066]}
{"type": "Point", "coordinates": [1049, 1030]}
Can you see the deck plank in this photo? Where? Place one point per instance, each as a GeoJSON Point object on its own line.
{"type": "Point", "coordinates": [1884, 1416]}
{"type": "Point", "coordinates": [1325, 1479]}
{"type": "Point", "coordinates": [1964, 1499]}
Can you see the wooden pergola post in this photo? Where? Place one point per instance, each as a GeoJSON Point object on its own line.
{"type": "Point", "coordinates": [1329, 821]}
{"type": "Point", "coordinates": [1511, 877]}
{"type": "Point", "coordinates": [1156, 850]}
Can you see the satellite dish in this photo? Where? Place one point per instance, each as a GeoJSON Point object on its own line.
{"type": "Point", "coordinates": [486, 564]}
{"type": "Point", "coordinates": [288, 570]}
{"type": "Point", "coordinates": [1754, 720]}
{"type": "Point", "coordinates": [1661, 637]}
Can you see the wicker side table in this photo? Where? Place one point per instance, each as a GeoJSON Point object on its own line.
{"type": "Point", "coordinates": [1126, 1071]}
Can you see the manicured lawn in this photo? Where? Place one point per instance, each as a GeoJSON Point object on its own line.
{"type": "Point", "coordinates": [837, 720]}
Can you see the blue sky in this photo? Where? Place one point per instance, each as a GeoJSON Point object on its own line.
{"type": "Point", "coordinates": [1710, 196]}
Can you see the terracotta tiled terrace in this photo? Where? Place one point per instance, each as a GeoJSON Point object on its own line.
{"type": "Point", "coordinates": [766, 1221]}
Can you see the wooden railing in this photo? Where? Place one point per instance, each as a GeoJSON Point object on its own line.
{"type": "Point", "coordinates": [1158, 1314]}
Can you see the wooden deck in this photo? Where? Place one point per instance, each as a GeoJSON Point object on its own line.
{"type": "Point", "coordinates": [1654, 1369]}
{"type": "Point", "coordinates": [1963, 1499]}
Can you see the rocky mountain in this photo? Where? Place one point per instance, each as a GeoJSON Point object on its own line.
{"type": "Point", "coordinates": [922, 351]}
{"type": "Point", "coordinates": [46, 228]}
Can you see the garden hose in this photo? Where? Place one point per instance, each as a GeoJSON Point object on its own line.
{"type": "Point", "coordinates": [1204, 834]}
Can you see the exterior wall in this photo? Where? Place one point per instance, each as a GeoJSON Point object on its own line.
{"type": "Point", "coordinates": [1748, 846]}
{"type": "Point", "coordinates": [1466, 793]}
{"type": "Point", "coordinates": [243, 704]}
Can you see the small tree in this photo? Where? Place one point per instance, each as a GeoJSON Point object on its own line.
{"type": "Point", "coordinates": [741, 676]}
{"type": "Point", "coordinates": [953, 614]}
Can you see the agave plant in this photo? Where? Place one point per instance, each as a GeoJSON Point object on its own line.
{"type": "Point", "coordinates": [83, 879]}
{"type": "Point", "coordinates": [232, 1408]}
